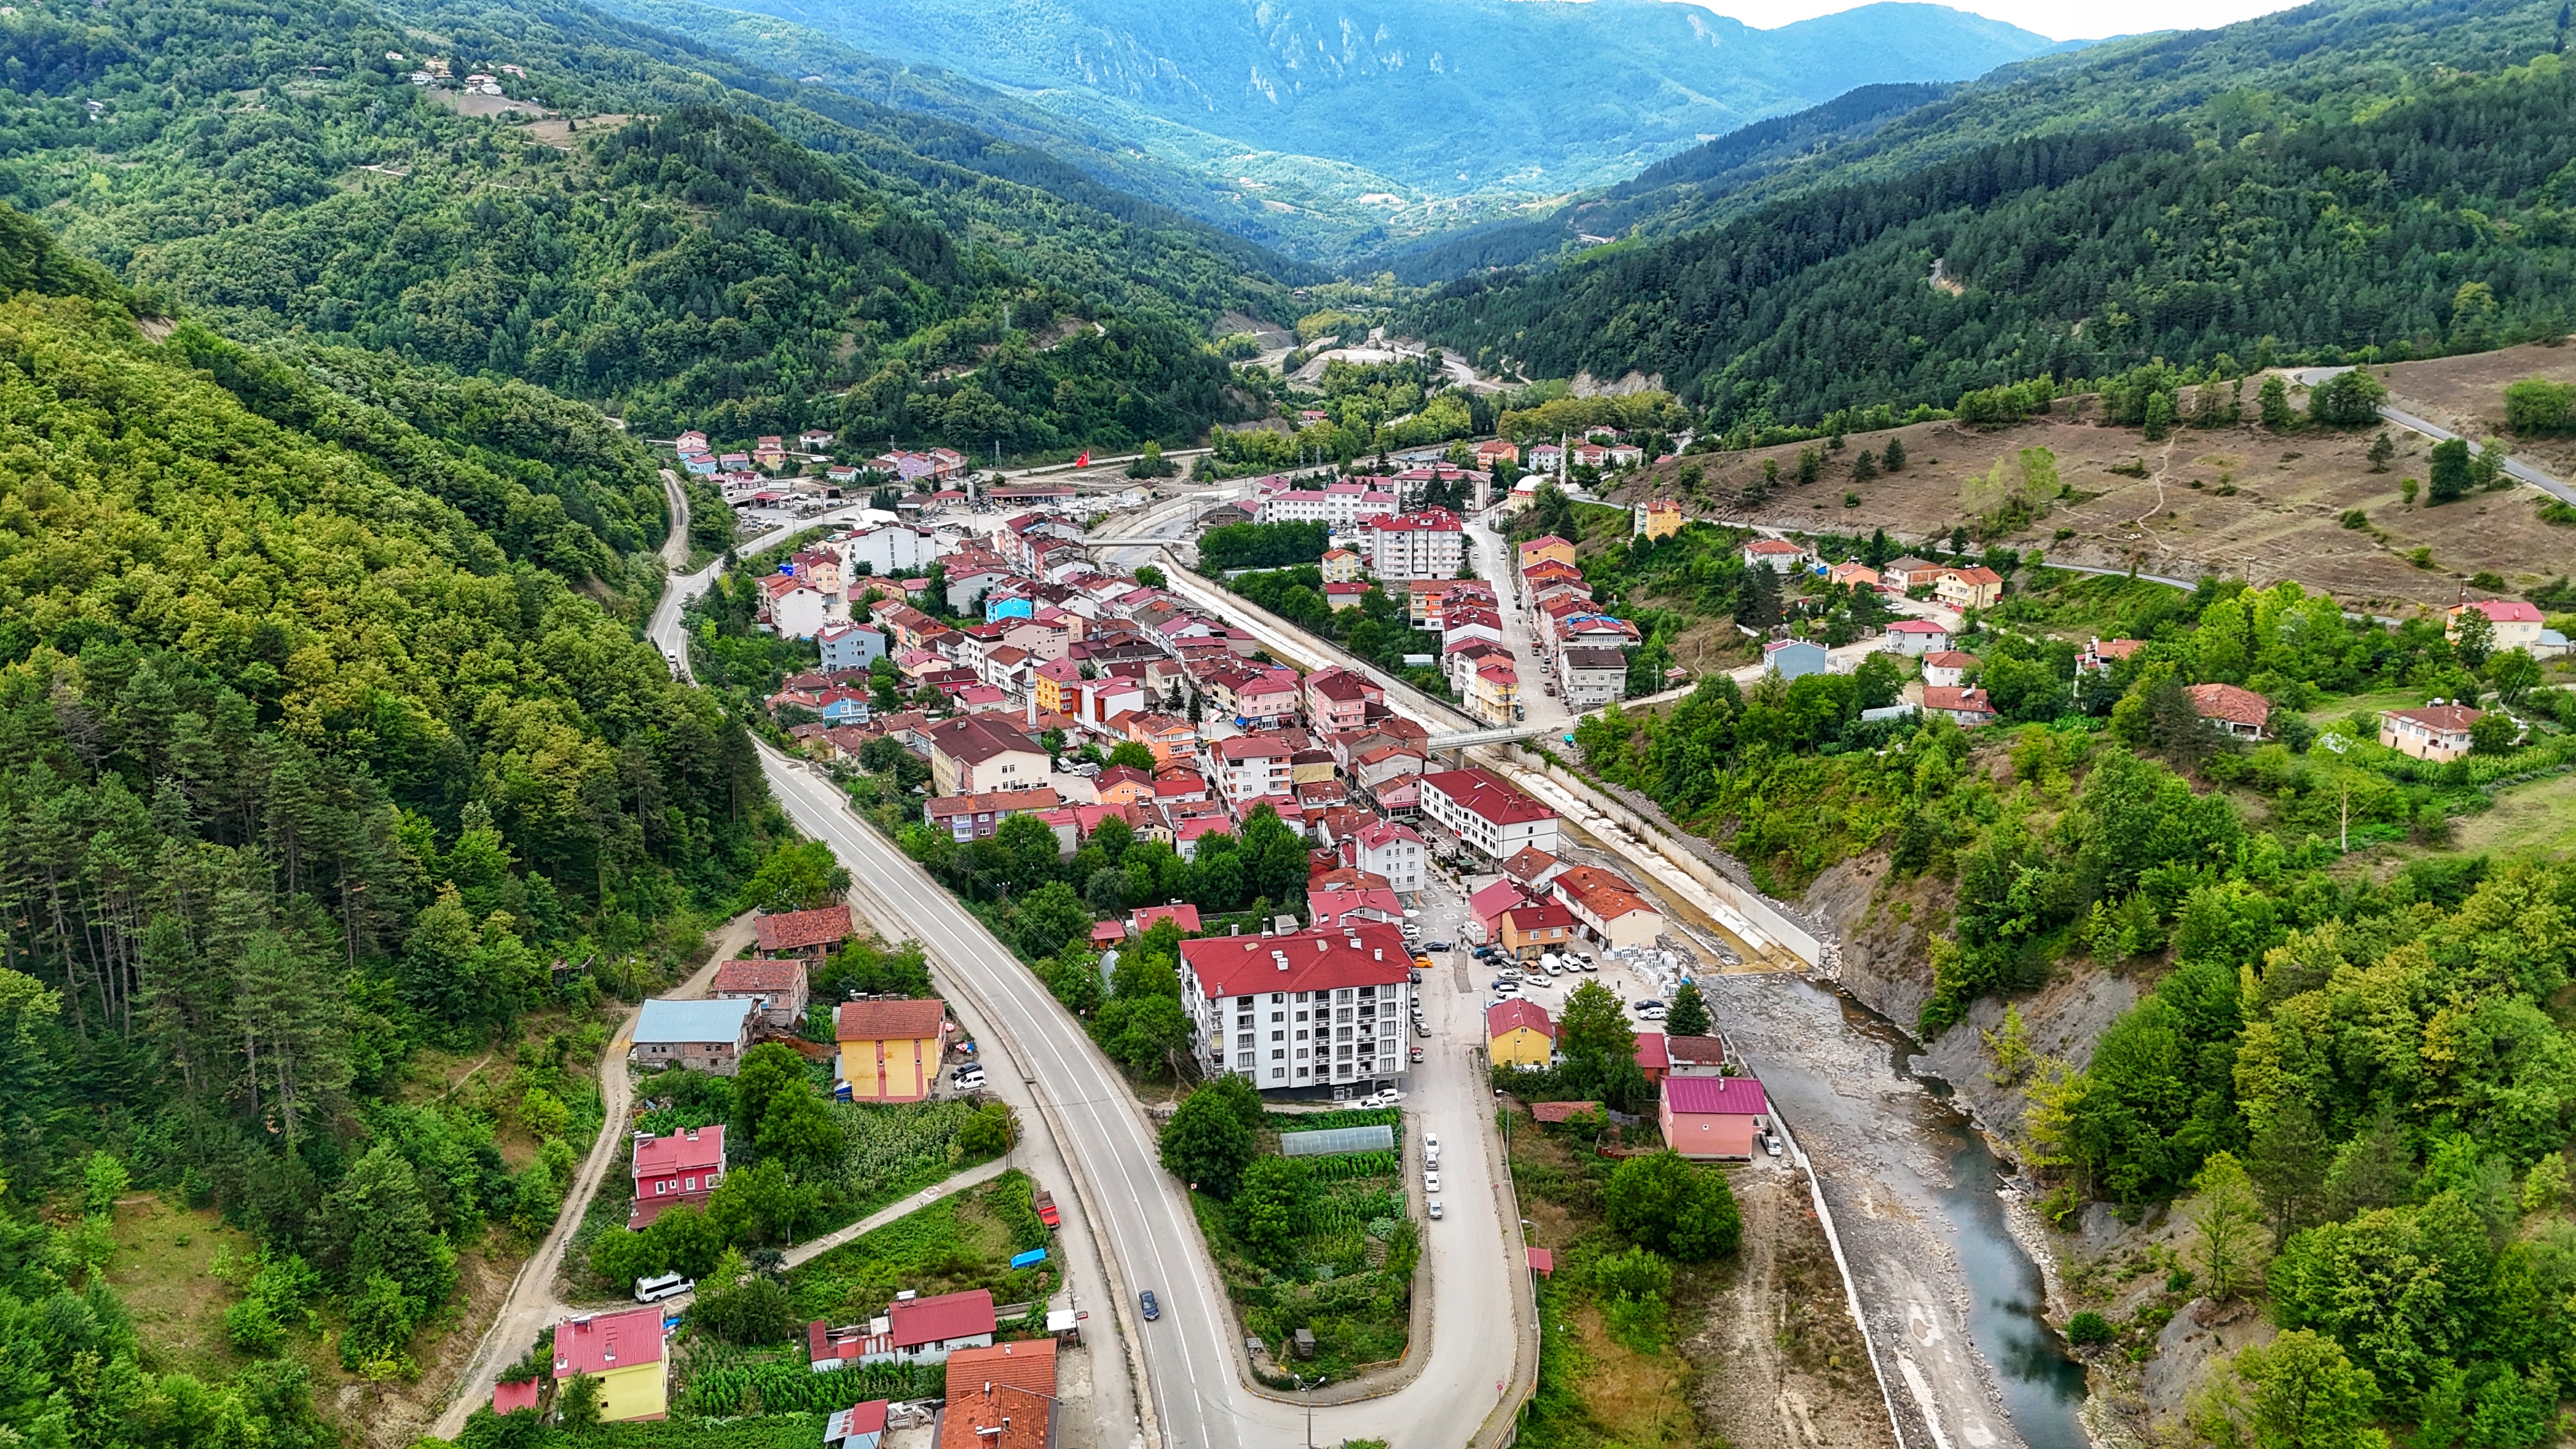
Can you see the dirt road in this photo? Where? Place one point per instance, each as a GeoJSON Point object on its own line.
{"type": "Point", "coordinates": [533, 1302]}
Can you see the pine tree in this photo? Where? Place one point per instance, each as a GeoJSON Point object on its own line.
{"type": "Point", "coordinates": [1893, 458]}
{"type": "Point", "coordinates": [2381, 450]}
{"type": "Point", "coordinates": [1689, 1014]}
{"type": "Point", "coordinates": [2273, 403]}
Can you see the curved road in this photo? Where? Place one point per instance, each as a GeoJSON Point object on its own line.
{"type": "Point", "coordinates": [1198, 1393]}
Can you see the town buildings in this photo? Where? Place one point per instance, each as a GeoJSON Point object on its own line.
{"type": "Point", "coordinates": [1310, 1012]}
{"type": "Point", "coordinates": [891, 1050]}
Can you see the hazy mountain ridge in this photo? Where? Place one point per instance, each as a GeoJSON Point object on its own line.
{"type": "Point", "coordinates": [1503, 101]}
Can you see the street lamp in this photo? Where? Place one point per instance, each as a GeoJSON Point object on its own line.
{"type": "Point", "coordinates": [1302, 1387]}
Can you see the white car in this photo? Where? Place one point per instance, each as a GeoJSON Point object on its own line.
{"type": "Point", "coordinates": [1435, 1209]}
{"type": "Point", "coordinates": [1431, 1143]}
{"type": "Point", "coordinates": [1430, 1181]}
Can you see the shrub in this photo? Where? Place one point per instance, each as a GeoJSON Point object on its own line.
{"type": "Point", "coordinates": [2088, 1328]}
{"type": "Point", "coordinates": [2535, 405]}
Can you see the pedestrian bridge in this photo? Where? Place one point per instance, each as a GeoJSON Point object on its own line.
{"type": "Point", "coordinates": [1501, 735]}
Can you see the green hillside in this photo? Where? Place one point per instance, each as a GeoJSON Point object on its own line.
{"type": "Point", "coordinates": [2301, 186]}
{"type": "Point", "coordinates": [324, 726]}
{"type": "Point", "coordinates": [736, 263]}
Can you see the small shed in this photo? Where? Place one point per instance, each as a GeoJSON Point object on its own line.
{"type": "Point", "coordinates": [509, 1398]}
{"type": "Point", "coordinates": [1302, 1343]}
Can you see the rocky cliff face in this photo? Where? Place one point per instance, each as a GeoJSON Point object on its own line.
{"type": "Point", "coordinates": [1886, 929]}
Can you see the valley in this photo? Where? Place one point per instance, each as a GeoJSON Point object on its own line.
{"type": "Point", "coordinates": [941, 726]}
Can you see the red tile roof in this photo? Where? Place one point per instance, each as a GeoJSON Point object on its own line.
{"type": "Point", "coordinates": [1951, 697]}
{"type": "Point", "coordinates": [699, 1149]}
{"type": "Point", "coordinates": [1916, 626]}
{"type": "Point", "coordinates": [1695, 1049]}
{"type": "Point", "coordinates": [1726, 1096]}
{"type": "Point", "coordinates": [949, 1315]}
{"type": "Point", "coordinates": [2441, 718]}
{"type": "Point", "coordinates": [1949, 659]}
{"type": "Point", "coordinates": [1359, 953]}
{"type": "Point", "coordinates": [1006, 1418]}
{"type": "Point", "coordinates": [744, 978]}
{"type": "Point", "coordinates": [1028, 1365]}
{"type": "Point", "coordinates": [1560, 1111]}
{"type": "Point", "coordinates": [2231, 703]}
{"type": "Point", "coordinates": [595, 1343]}
{"type": "Point", "coordinates": [1540, 916]}
{"type": "Point", "coordinates": [1651, 1056]}
{"type": "Point", "coordinates": [889, 1020]}
{"type": "Point", "coordinates": [796, 930]}
{"type": "Point", "coordinates": [1513, 1013]}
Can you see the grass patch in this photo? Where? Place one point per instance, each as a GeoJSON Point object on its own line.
{"type": "Point", "coordinates": [164, 1271]}
{"type": "Point", "coordinates": [2537, 819]}
{"type": "Point", "coordinates": [957, 1243]}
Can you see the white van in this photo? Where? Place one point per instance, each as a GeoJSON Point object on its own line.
{"type": "Point", "coordinates": [669, 1285]}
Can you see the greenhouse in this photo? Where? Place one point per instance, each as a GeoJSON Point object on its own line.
{"type": "Point", "coordinates": [1336, 1140]}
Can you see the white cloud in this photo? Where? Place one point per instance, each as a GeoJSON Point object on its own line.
{"type": "Point", "coordinates": [2057, 19]}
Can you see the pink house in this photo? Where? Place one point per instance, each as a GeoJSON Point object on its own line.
{"type": "Point", "coordinates": [1712, 1117]}
{"type": "Point", "coordinates": [1486, 907]}
{"type": "Point", "coordinates": [675, 1168]}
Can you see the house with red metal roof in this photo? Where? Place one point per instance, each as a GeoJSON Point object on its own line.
{"type": "Point", "coordinates": [912, 1330]}
{"type": "Point", "coordinates": [673, 1169]}
{"type": "Point", "coordinates": [1712, 1117]}
{"type": "Point", "coordinates": [860, 1426]}
{"type": "Point", "coordinates": [509, 1398]}
{"type": "Point", "coordinates": [1519, 1033]}
{"type": "Point", "coordinates": [1182, 914]}
{"type": "Point", "coordinates": [1315, 1012]}
{"type": "Point", "coordinates": [1486, 907]}
{"type": "Point", "coordinates": [1917, 636]}
{"type": "Point", "coordinates": [1486, 814]}
{"type": "Point", "coordinates": [623, 1351]}
{"type": "Point", "coordinates": [1537, 927]}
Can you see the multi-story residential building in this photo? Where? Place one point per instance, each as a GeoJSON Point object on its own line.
{"type": "Point", "coordinates": [1343, 504]}
{"type": "Point", "coordinates": [1974, 587]}
{"type": "Point", "coordinates": [1268, 700]}
{"type": "Point", "coordinates": [1486, 814]}
{"type": "Point", "coordinates": [1590, 677]}
{"type": "Point", "coordinates": [1429, 544]}
{"type": "Point", "coordinates": [1391, 850]}
{"type": "Point", "coordinates": [1494, 693]}
{"type": "Point", "coordinates": [623, 1351]}
{"type": "Point", "coordinates": [849, 646]}
{"type": "Point", "coordinates": [1311, 1012]}
{"type": "Point", "coordinates": [1338, 699]}
{"type": "Point", "coordinates": [676, 1168]}
{"type": "Point", "coordinates": [1776, 554]}
{"type": "Point", "coordinates": [1340, 566]}
{"type": "Point", "coordinates": [2518, 625]}
{"type": "Point", "coordinates": [1659, 518]}
{"type": "Point", "coordinates": [1244, 768]}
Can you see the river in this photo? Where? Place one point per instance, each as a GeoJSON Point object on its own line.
{"type": "Point", "coordinates": [1953, 1301]}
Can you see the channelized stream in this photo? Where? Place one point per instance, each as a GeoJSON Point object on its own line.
{"type": "Point", "coordinates": [1908, 1175]}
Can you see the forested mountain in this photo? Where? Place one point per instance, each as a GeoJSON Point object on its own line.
{"type": "Point", "coordinates": [2363, 207]}
{"type": "Point", "coordinates": [1345, 125]}
{"type": "Point", "coordinates": [1676, 187]}
{"type": "Point", "coordinates": [727, 264]}
{"type": "Point", "coordinates": [324, 725]}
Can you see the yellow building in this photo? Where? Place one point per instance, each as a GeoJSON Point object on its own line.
{"type": "Point", "coordinates": [1518, 1034]}
{"type": "Point", "coordinates": [1341, 566]}
{"type": "Point", "coordinates": [623, 1351]}
{"type": "Point", "coordinates": [1660, 519]}
{"type": "Point", "coordinates": [1550, 547]}
{"type": "Point", "coordinates": [1494, 694]}
{"type": "Point", "coordinates": [890, 1050]}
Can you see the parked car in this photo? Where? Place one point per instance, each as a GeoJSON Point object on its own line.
{"type": "Point", "coordinates": [1417, 1051]}
{"type": "Point", "coordinates": [1651, 1013]}
{"type": "Point", "coordinates": [1435, 1209]}
{"type": "Point", "coordinates": [1771, 1143]}
{"type": "Point", "coordinates": [1414, 976]}
{"type": "Point", "coordinates": [1591, 965]}
{"type": "Point", "coordinates": [1647, 1001]}
{"type": "Point", "coordinates": [1420, 1029]}
{"type": "Point", "coordinates": [669, 1285]}
{"type": "Point", "coordinates": [968, 1078]}
{"type": "Point", "coordinates": [1435, 945]}
{"type": "Point", "coordinates": [1507, 988]}
{"type": "Point", "coordinates": [1431, 1180]}
{"type": "Point", "coordinates": [1146, 1305]}
{"type": "Point", "coordinates": [1431, 1143]}
{"type": "Point", "coordinates": [1387, 1098]}
{"type": "Point", "coordinates": [1420, 965]}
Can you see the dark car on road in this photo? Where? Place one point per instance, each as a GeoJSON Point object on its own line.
{"type": "Point", "coordinates": [1151, 1309]}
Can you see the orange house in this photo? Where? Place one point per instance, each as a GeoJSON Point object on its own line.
{"type": "Point", "coordinates": [1539, 926]}
{"type": "Point", "coordinates": [1171, 739]}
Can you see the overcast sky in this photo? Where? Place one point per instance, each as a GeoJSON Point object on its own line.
{"type": "Point", "coordinates": [2057, 19]}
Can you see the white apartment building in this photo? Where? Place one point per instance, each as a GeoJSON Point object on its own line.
{"type": "Point", "coordinates": [1488, 815]}
{"type": "Point", "coordinates": [1312, 1012]}
{"type": "Point", "coordinates": [1430, 544]}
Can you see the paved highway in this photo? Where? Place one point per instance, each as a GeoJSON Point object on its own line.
{"type": "Point", "coordinates": [2513, 467]}
{"type": "Point", "coordinates": [1198, 1394]}
{"type": "Point", "coordinates": [1199, 1398]}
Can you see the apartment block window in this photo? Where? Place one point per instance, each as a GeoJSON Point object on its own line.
{"type": "Point", "coordinates": [1279, 1036]}
{"type": "Point", "coordinates": [1243, 1059]}
{"type": "Point", "coordinates": [1278, 1054]}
